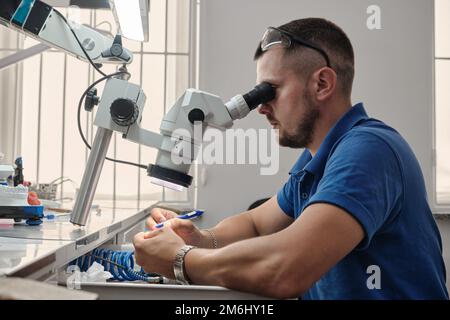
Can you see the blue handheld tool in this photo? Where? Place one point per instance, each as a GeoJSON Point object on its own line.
{"type": "Point", "coordinates": [189, 215]}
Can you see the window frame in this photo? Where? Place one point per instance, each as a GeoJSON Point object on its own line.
{"type": "Point", "coordinates": [436, 207]}
{"type": "Point", "coordinates": [192, 79]}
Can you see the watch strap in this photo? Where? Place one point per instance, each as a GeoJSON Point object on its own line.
{"type": "Point", "coordinates": [178, 264]}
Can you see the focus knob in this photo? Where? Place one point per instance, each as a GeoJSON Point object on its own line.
{"type": "Point", "coordinates": [91, 100]}
{"type": "Point", "coordinates": [124, 112]}
{"type": "Point", "coordinates": [196, 115]}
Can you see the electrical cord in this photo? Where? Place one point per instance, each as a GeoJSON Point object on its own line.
{"type": "Point", "coordinates": [80, 130]}
{"type": "Point", "coordinates": [105, 77]}
{"type": "Point", "coordinates": [79, 42]}
{"type": "Point", "coordinates": [61, 180]}
{"type": "Point", "coordinates": [119, 263]}
{"type": "Point", "coordinates": [107, 23]}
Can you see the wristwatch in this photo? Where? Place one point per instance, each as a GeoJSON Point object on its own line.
{"type": "Point", "coordinates": [178, 264]}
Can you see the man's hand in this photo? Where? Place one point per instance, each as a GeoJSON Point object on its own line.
{"type": "Point", "coordinates": [183, 228]}
{"type": "Point", "coordinates": [155, 251]}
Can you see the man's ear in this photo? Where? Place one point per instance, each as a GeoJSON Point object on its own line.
{"type": "Point", "coordinates": [325, 83]}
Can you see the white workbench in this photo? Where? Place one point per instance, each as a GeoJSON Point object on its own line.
{"type": "Point", "coordinates": [37, 252]}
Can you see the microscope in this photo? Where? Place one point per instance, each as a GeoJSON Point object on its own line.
{"type": "Point", "coordinates": [120, 107]}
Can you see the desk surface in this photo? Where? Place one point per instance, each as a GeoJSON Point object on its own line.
{"type": "Point", "coordinates": [32, 251]}
{"type": "Point", "coordinates": [35, 252]}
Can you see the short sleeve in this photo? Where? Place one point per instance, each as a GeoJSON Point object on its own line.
{"type": "Point", "coordinates": [363, 177]}
{"type": "Point", "coordinates": [285, 197]}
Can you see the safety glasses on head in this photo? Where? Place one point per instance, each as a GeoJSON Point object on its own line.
{"type": "Point", "coordinates": [274, 36]}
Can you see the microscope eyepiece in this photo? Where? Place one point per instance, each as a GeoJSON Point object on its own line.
{"type": "Point", "coordinates": [262, 93]}
{"type": "Point", "coordinates": [239, 106]}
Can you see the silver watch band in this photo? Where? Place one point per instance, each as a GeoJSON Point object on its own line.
{"type": "Point", "coordinates": [178, 264]}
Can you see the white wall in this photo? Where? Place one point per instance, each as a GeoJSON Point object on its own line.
{"type": "Point", "coordinates": [393, 78]}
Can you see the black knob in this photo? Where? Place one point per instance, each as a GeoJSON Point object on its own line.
{"type": "Point", "coordinates": [91, 100]}
{"type": "Point", "coordinates": [116, 50]}
{"type": "Point", "coordinates": [196, 115]}
{"type": "Point", "coordinates": [124, 112]}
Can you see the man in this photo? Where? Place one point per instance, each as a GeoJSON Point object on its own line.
{"type": "Point", "coordinates": [352, 221]}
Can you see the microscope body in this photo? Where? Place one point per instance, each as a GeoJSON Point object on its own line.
{"type": "Point", "coordinates": [183, 127]}
{"type": "Point", "coordinates": [121, 109]}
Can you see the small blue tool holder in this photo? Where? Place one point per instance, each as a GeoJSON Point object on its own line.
{"type": "Point", "coordinates": [32, 214]}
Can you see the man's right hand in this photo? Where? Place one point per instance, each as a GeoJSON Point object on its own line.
{"type": "Point", "coordinates": [184, 228]}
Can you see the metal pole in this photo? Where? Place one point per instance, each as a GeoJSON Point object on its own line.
{"type": "Point", "coordinates": [91, 176]}
{"type": "Point", "coordinates": [22, 55]}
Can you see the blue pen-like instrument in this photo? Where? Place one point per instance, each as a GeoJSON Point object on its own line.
{"type": "Point", "coordinates": [189, 215]}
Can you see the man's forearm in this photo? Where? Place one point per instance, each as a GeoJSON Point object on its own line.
{"type": "Point", "coordinates": [230, 230]}
{"type": "Point", "coordinates": [252, 265]}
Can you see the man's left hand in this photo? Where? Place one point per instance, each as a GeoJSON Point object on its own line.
{"type": "Point", "coordinates": [155, 251]}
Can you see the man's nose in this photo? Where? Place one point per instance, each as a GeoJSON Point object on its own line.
{"type": "Point", "coordinates": [263, 109]}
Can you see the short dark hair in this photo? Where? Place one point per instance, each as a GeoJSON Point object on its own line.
{"type": "Point", "coordinates": [329, 37]}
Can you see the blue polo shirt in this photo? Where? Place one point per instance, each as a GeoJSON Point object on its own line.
{"type": "Point", "coordinates": [366, 168]}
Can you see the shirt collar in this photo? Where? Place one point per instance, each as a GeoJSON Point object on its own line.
{"type": "Point", "coordinates": [316, 164]}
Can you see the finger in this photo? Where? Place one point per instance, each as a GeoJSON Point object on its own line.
{"type": "Point", "coordinates": [181, 224]}
{"type": "Point", "coordinates": [151, 234]}
{"type": "Point", "coordinates": [168, 214]}
{"type": "Point", "coordinates": [170, 230]}
{"type": "Point", "coordinates": [138, 239]}
{"type": "Point", "coordinates": [150, 223]}
{"type": "Point", "coordinates": [158, 215]}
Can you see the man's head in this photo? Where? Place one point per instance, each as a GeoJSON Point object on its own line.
{"type": "Point", "coordinates": [311, 63]}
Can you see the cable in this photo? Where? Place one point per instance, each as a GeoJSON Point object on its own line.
{"type": "Point", "coordinates": [80, 130]}
{"type": "Point", "coordinates": [79, 42]}
{"type": "Point", "coordinates": [61, 180]}
{"type": "Point", "coordinates": [119, 263]}
{"type": "Point", "coordinates": [105, 76]}
{"type": "Point", "coordinates": [105, 22]}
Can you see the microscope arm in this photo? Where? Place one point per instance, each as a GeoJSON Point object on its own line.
{"type": "Point", "coordinates": [40, 21]}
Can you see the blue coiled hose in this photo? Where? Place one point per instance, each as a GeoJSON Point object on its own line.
{"type": "Point", "coordinates": [119, 263]}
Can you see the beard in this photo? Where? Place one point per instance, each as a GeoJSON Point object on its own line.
{"type": "Point", "coordinates": [305, 130]}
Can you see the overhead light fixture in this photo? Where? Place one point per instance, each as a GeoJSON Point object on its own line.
{"type": "Point", "coordinates": [133, 18]}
